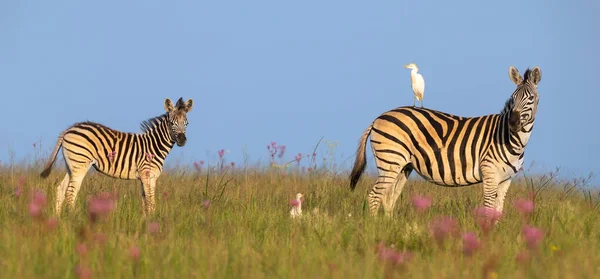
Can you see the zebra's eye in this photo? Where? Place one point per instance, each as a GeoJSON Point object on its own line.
{"type": "Point", "coordinates": [523, 117]}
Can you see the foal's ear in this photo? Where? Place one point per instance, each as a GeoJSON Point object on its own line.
{"type": "Point", "coordinates": [535, 75]}
{"type": "Point", "coordinates": [514, 75]}
{"type": "Point", "coordinates": [169, 105]}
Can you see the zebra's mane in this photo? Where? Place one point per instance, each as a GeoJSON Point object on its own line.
{"type": "Point", "coordinates": [508, 105]}
{"type": "Point", "coordinates": [526, 75]}
{"type": "Point", "coordinates": [149, 124]}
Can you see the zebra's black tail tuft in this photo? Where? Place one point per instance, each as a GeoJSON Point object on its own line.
{"type": "Point", "coordinates": [361, 161]}
{"type": "Point", "coordinates": [46, 172]}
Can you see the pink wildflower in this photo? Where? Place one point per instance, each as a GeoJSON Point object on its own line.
{"type": "Point", "coordinates": [294, 203]}
{"type": "Point", "coordinates": [524, 206]}
{"type": "Point", "coordinates": [298, 158]}
{"type": "Point", "coordinates": [135, 253]}
{"type": "Point", "coordinates": [206, 204]}
{"type": "Point", "coordinates": [52, 223]}
{"type": "Point", "coordinates": [81, 249]}
{"type": "Point", "coordinates": [100, 238]}
{"type": "Point", "coordinates": [83, 272]}
{"type": "Point", "coordinates": [153, 228]}
{"type": "Point", "coordinates": [443, 227]}
{"type": "Point", "coordinates": [523, 257]}
{"type": "Point", "coordinates": [281, 151]}
{"type": "Point", "coordinates": [39, 197]}
{"type": "Point", "coordinates": [470, 243]}
{"type": "Point", "coordinates": [421, 203]}
{"type": "Point", "coordinates": [533, 236]}
{"type": "Point", "coordinates": [149, 157]}
{"type": "Point", "coordinates": [332, 267]}
{"type": "Point", "coordinates": [100, 206]}
{"type": "Point", "coordinates": [18, 191]}
{"type": "Point", "coordinates": [198, 165]}
{"type": "Point", "coordinates": [38, 201]}
{"type": "Point", "coordinates": [221, 154]}
{"type": "Point", "coordinates": [19, 188]}
{"type": "Point", "coordinates": [111, 155]}
{"type": "Point", "coordinates": [392, 256]}
{"type": "Point", "coordinates": [486, 218]}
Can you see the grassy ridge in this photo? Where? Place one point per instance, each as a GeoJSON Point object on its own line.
{"type": "Point", "coordinates": [236, 224]}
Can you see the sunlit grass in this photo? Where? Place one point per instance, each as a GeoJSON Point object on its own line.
{"type": "Point", "coordinates": [234, 222]}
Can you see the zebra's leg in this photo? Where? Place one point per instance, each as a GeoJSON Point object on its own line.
{"type": "Point", "coordinates": [490, 185]}
{"type": "Point", "coordinates": [502, 190]}
{"type": "Point", "coordinates": [395, 192]}
{"type": "Point", "coordinates": [61, 192]}
{"type": "Point", "coordinates": [491, 191]}
{"type": "Point", "coordinates": [148, 188]}
{"type": "Point", "coordinates": [381, 189]}
{"type": "Point", "coordinates": [78, 172]}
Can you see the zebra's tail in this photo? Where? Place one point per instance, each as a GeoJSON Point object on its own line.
{"type": "Point", "coordinates": [361, 161]}
{"type": "Point", "coordinates": [52, 158]}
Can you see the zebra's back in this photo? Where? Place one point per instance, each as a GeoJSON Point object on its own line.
{"type": "Point", "coordinates": [111, 152]}
{"type": "Point", "coordinates": [443, 148]}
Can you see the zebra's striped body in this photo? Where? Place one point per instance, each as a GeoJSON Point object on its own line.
{"type": "Point", "coordinates": [119, 154]}
{"type": "Point", "coordinates": [450, 150]}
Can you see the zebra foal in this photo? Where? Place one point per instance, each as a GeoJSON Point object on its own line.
{"type": "Point", "coordinates": [119, 154]}
{"type": "Point", "coordinates": [450, 150]}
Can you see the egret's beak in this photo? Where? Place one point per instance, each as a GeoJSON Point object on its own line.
{"type": "Point", "coordinates": [407, 66]}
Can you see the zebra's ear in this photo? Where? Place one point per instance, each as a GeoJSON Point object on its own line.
{"type": "Point", "coordinates": [187, 107]}
{"type": "Point", "coordinates": [535, 75]}
{"type": "Point", "coordinates": [169, 105]}
{"type": "Point", "coordinates": [514, 75]}
{"type": "Point", "coordinates": [514, 121]}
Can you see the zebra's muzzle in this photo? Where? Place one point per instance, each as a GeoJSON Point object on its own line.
{"type": "Point", "coordinates": [181, 139]}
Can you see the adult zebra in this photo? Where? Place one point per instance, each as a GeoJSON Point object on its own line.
{"type": "Point", "coordinates": [119, 154]}
{"type": "Point", "coordinates": [450, 150]}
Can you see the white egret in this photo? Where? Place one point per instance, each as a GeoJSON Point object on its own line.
{"type": "Point", "coordinates": [417, 83]}
{"type": "Point", "coordinates": [297, 206]}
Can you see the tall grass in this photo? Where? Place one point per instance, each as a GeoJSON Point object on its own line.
{"type": "Point", "coordinates": [228, 221]}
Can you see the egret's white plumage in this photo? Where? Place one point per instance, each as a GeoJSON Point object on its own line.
{"type": "Point", "coordinates": [417, 83]}
{"type": "Point", "coordinates": [297, 206]}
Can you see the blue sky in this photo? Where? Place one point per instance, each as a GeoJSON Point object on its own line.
{"type": "Point", "coordinates": [294, 71]}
